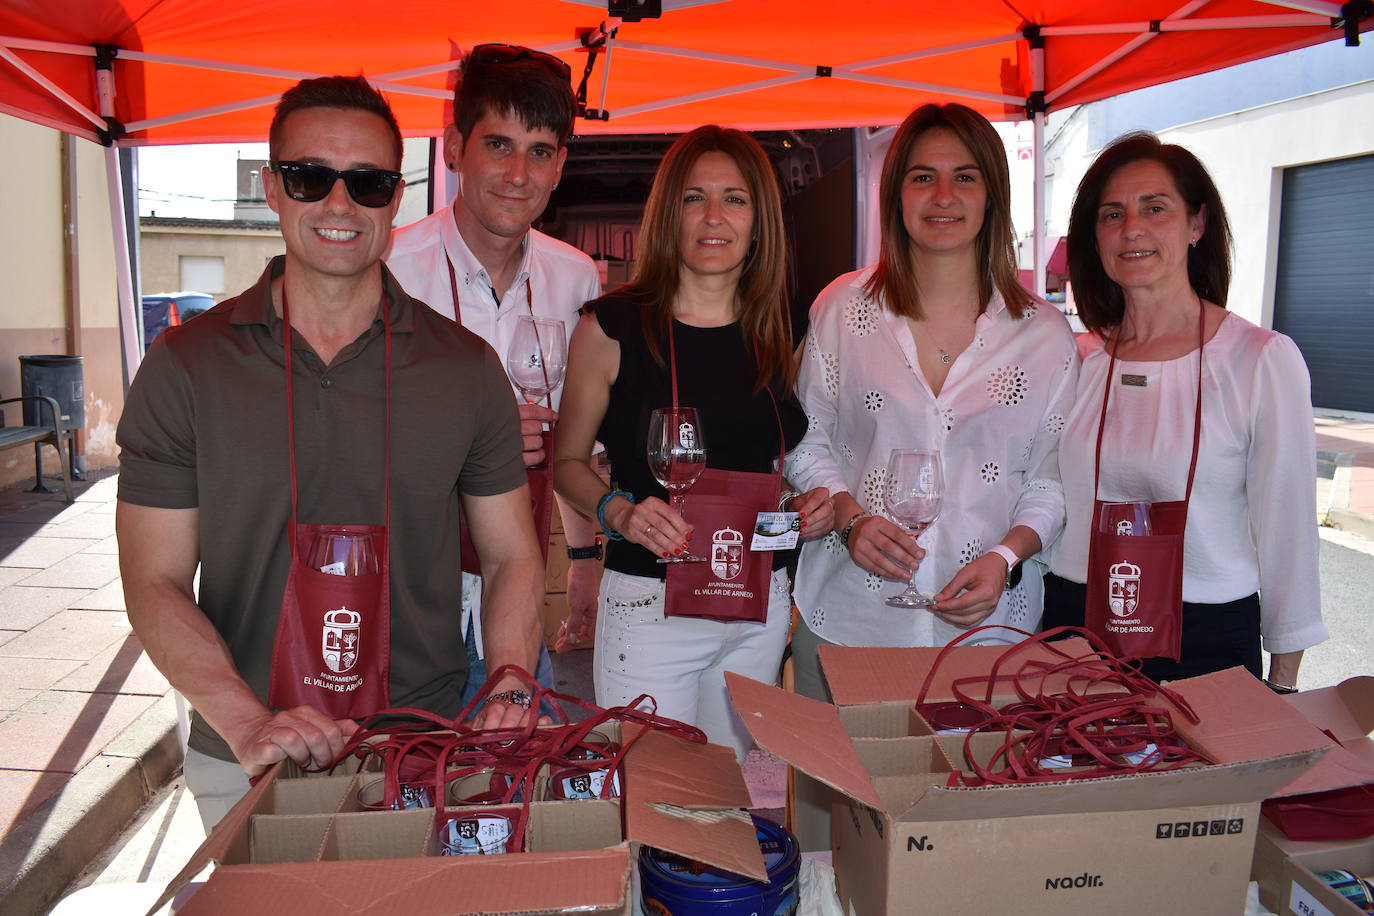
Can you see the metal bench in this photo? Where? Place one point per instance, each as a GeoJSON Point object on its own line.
{"type": "Point", "coordinates": [55, 435]}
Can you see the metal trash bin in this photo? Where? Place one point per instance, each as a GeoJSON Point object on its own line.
{"type": "Point", "coordinates": [61, 378]}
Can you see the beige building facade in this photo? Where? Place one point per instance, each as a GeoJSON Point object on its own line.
{"type": "Point", "coordinates": [57, 257]}
{"type": "Point", "coordinates": [215, 256]}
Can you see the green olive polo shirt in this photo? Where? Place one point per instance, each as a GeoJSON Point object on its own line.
{"type": "Point", "coordinates": [205, 426]}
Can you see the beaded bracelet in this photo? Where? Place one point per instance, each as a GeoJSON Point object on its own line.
{"type": "Point", "coordinates": [601, 513]}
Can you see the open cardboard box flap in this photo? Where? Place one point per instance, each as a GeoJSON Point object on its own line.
{"type": "Point", "coordinates": [858, 675]}
{"type": "Point", "coordinates": [421, 886]}
{"type": "Point", "coordinates": [227, 841]}
{"type": "Point", "coordinates": [682, 796]}
{"type": "Point", "coordinates": [1235, 783]}
{"type": "Point", "coordinates": [808, 734]}
{"type": "Point", "coordinates": [1241, 719]}
{"type": "Point", "coordinates": [1346, 710]}
{"type": "Point", "coordinates": [689, 799]}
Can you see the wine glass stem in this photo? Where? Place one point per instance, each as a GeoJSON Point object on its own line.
{"type": "Point", "coordinates": [916, 540]}
{"type": "Point", "coordinates": [676, 500]}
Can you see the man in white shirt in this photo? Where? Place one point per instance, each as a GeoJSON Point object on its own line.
{"type": "Point", "coordinates": [481, 264]}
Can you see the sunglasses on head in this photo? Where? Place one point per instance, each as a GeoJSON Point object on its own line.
{"type": "Point", "coordinates": [508, 54]}
{"type": "Point", "coordinates": [310, 181]}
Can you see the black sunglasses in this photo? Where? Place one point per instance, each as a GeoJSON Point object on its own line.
{"type": "Point", "coordinates": [509, 54]}
{"type": "Point", "coordinates": [310, 181]}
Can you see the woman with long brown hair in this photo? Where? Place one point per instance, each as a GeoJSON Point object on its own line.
{"type": "Point", "coordinates": [937, 346]}
{"type": "Point", "coordinates": [703, 324]}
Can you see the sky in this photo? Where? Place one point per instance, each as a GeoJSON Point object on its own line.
{"type": "Point", "coordinates": [192, 181]}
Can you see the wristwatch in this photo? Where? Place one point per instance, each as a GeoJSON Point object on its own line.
{"type": "Point", "coordinates": [1006, 553]}
{"type": "Point", "coordinates": [592, 552]}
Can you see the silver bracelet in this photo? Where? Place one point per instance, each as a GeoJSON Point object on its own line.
{"type": "Point", "coordinates": [786, 495]}
{"type": "Point", "coordinates": [513, 697]}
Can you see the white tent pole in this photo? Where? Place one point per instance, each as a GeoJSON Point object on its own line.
{"type": "Point", "coordinates": [843, 73]}
{"type": "Point", "coordinates": [710, 94]}
{"type": "Point", "coordinates": [1328, 9]}
{"type": "Point", "coordinates": [1215, 23]}
{"type": "Point", "coordinates": [1037, 61]}
{"type": "Point", "coordinates": [1038, 204]}
{"type": "Point", "coordinates": [1181, 13]}
{"type": "Point", "coordinates": [57, 91]}
{"type": "Point", "coordinates": [124, 280]}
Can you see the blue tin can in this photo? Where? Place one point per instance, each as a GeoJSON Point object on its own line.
{"type": "Point", "coordinates": [673, 886]}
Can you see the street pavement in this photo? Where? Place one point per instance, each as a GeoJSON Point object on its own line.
{"type": "Point", "coordinates": [91, 800]}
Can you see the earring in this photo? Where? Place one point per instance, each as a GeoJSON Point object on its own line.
{"type": "Point", "coordinates": [1193, 243]}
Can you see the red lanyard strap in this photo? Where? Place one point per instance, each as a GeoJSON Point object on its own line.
{"type": "Point", "coordinates": [288, 354]}
{"type": "Point", "coordinates": [1078, 716]}
{"type": "Point", "coordinates": [529, 304]}
{"type": "Point", "coordinates": [1197, 416]}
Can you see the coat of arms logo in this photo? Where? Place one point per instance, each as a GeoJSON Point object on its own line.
{"type": "Point", "coordinates": [339, 642]}
{"type": "Point", "coordinates": [1123, 588]}
{"type": "Point", "coordinates": [727, 553]}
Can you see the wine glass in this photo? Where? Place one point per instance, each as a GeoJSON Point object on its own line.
{"type": "Point", "coordinates": [915, 488]}
{"type": "Point", "coordinates": [677, 456]}
{"type": "Point", "coordinates": [343, 552]}
{"type": "Point", "coordinates": [1125, 519]}
{"type": "Point", "coordinates": [538, 356]}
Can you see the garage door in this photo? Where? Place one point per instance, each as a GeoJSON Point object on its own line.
{"type": "Point", "coordinates": [1325, 294]}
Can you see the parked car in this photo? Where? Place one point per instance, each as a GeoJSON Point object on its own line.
{"type": "Point", "coordinates": [164, 310]}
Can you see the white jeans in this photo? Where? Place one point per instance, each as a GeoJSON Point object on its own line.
{"type": "Point", "coordinates": [215, 784]}
{"type": "Point", "coordinates": [681, 661]}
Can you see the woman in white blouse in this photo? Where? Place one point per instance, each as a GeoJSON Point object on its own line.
{"type": "Point", "coordinates": [1149, 246]}
{"type": "Point", "coordinates": [936, 346]}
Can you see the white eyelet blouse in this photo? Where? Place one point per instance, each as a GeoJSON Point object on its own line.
{"type": "Point", "coordinates": [996, 423]}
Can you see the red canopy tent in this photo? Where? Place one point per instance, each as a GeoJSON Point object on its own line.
{"type": "Point", "coordinates": [129, 72]}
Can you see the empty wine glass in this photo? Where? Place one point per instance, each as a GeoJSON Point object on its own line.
{"type": "Point", "coordinates": [915, 488]}
{"type": "Point", "coordinates": [1125, 519]}
{"type": "Point", "coordinates": [538, 356]}
{"type": "Point", "coordinates": [343, 552]}
{"type": "Point", "coordinates": [677, 455]}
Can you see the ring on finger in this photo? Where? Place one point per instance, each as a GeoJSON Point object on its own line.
{"type": "Point", "coordinates": [648, 529]}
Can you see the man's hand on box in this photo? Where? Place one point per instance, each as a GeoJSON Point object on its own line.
{"type": "Point", "coordinates": [507, 706]}
{"type": "Point", "coordinates": [306, 735]}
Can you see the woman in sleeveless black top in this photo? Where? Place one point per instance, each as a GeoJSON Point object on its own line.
{"type": "Point", "coordinates": [708, 298]}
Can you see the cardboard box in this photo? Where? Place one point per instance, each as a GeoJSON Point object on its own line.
{"type": "Point", "coordinates": [1174, 842]}
{"type": "Point", "coordinates": [301, 843]}
{"type": "Point", "coordinates": [1285, 869]}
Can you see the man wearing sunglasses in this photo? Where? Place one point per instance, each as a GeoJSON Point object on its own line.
{"type": "Point", "coordinates": [480, 262]}
{"type": "Point", "coordinates": [231, 440]}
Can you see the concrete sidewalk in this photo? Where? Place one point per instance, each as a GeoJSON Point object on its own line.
{"type": "Point", "coordinates": [88, 726]}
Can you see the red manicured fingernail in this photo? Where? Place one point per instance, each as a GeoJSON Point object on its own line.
{"type": "Point", "coordinates": [801, 515]}
{"type": "Point", "coordinates": [803, 524]}
{"type": "Point", "coordinates": [665, 553]}
{"type": "Point", "coordinates": [678, 551]}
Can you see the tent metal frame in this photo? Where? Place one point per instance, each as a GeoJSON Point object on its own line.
{"type": "Point", "coordinates": [107, 130]}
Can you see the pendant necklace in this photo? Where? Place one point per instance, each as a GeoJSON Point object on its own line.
{"type": "Point", "coordinates": [945, 356]}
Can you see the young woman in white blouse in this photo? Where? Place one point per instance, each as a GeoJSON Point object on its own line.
{"type": "Point", "coordinates": [1149, 248]}
{"type": "Point", "coordinates": [937, 346]}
